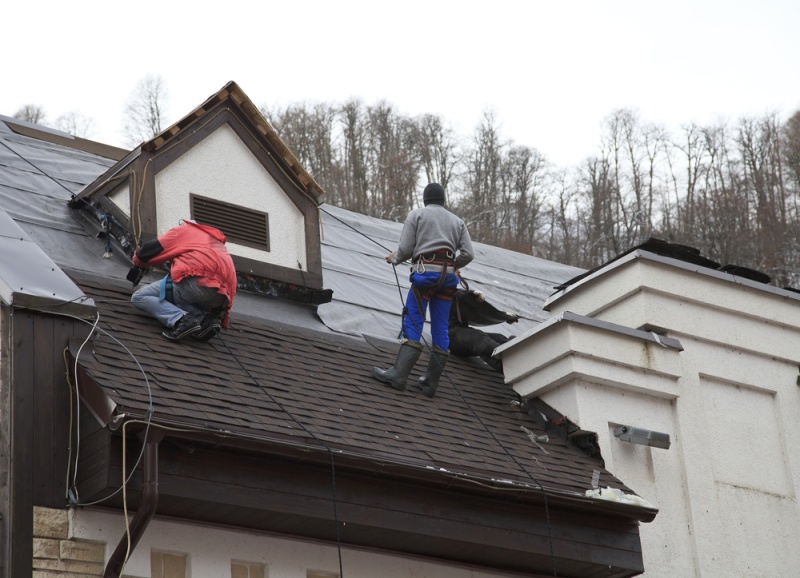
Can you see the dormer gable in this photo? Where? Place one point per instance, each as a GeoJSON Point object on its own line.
{"type": "Point", "coordinates": [222, 165]}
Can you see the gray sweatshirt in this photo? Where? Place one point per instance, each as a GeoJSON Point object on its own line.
{"type": "Point", "coordinates": [433, 228]}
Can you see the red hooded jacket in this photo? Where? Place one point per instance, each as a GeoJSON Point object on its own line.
{"type": "Point", "coordinates": [195, 251]}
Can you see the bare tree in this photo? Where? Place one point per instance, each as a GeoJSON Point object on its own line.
{"type": "Point", "coordinates": [482, 180]}
{"type": "Point", "coordinates": [75, 124]}
{"type": "Point", "coordinates": [439, 150]}
{"type": "Point", "coordinates": [354, 123]}
{"type": "Point", "coordinates": [392, 161]}
{"type": "Point", "coordinates": [791, 147]}
{"type": "Point", "coordinates": [145, 110]}
{"type": "Point", "coordinates": [31, 113]}
{"type": "Point", "coordinates": [308, 130]}
{"type": "Point", "coordinates": [523, 176]}
{"type": "Point", "coordinates": [733, 192]}
{"type": "Point", "coordinates": [759, 147]}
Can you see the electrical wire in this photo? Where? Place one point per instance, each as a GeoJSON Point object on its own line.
{"type": "Point", "coordinates": [62, 185]}
{"type": "Point", "coordinates": [95, 327]}
{"type": "Point", "coordinates": [463, 399]}
{"type": "Point", "coordinates": [310, 433]}
{"type": "Point", "coordinates": [147, 422]}
{"type": "Point", "coordinates": [137, 238]}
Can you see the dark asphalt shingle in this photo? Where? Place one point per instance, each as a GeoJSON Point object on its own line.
{"type": "Point", "coordinates": [265, 380]}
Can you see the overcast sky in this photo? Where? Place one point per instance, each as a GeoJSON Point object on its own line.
{"type": "Point", "coordinates": [550, 71]}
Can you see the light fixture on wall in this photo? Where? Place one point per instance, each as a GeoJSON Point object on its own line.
{"type": "Point", "coordinates": [641, 436]}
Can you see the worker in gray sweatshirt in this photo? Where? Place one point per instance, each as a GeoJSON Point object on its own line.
{"type": "Point", "coordinates": [438, 244]}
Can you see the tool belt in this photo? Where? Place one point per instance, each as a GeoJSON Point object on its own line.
{"type": "Point", "coordinates": [437, 262]}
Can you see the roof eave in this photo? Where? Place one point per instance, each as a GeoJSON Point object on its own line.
{"type": "Point", "coordinates": [311, 450]}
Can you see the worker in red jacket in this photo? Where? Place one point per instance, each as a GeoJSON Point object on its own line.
{"type": "Point", "coordinates": [195, 298]}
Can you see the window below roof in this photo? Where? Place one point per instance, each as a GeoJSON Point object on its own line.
{"type": "Point", "coordinates": [247, 570]}
{"type": "Point", "coordinates": [241, 225]}
{"type": "Point", "coordinates": [164, 565]}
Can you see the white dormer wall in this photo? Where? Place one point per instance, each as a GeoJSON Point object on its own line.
{"type": "Point", "coordinates": [121, 197]}
{"type": "Point", "coordinates": [727, 487]}
{"type": "Point", "coordinates": [221, 167]}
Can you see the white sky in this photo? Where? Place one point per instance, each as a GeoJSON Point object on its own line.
{"type": "Point", "coordinates": [550, 71]}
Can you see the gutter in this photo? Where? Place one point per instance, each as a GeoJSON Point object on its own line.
{"type": "Point", "coordinates": [147, 507]}
{"type": "Point", "coordinates": [427, 472]}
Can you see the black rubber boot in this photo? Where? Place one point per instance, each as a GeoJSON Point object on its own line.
{"type": "Point", "coordinates": [397, 375]}
{"type": "Point", "coordinates": [436, 364]}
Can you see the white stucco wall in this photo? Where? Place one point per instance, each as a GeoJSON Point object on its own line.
{"type": "Point", "coordinates": [221, 167]}
{"type": "Point", "coordinates": [210, 551]}
{"type": "Point", "coordinates": [727, 487]}
{"type": "Point", "coordinates": [120, 196]}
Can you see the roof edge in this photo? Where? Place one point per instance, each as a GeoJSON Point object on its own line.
{"type": "Point", "coordinates": [233, 93]}
{"type": "Point", "coordinates": [54, 136]}
{"type": "Point", "coordinates": [392, 466]}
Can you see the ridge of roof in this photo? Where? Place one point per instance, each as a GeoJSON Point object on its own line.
{"type": "Point", "coordinates": [233, 93]}
{"type": "Point", "coordinates": [54, 136]}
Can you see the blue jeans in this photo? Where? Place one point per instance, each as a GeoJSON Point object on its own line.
{"type": "Point", "coordinates": [439, 300]}
{"type": "Point", "coordinates": [187, 297]}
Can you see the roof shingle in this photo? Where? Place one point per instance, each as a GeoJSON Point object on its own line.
{"type": "Point", "coordinates": [271, 381]}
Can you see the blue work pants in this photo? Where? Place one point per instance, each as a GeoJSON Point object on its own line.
{"type": "Point", "coordinates": [439, 299]}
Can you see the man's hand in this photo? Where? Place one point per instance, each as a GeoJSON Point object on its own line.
{"type": "Point", "coordinates": [389, 257]}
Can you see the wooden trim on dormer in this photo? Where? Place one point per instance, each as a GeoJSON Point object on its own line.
{"type": "Point", "coordinates": [222, 115]}
{"type": "Point", "coordinates": [144, 216]}
{"type": "Point", "coordinates": [310, 279]}
{"type": "Point", "coordinates": [231, 107]}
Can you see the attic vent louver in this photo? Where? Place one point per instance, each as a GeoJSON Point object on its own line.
{"type": "Point", "coordinates": [240, 225]}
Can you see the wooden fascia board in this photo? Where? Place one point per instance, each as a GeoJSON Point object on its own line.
{"type": "Point", "coordinates": [232, 97]}
{"type": "Point", "coordinates": [270, 157]}
{"type": "Point", "coordinates": [310, 279]}
{"type": "Point", "coordinates": [66, 140]}
{"type": "Point", "coordinates": [264, 128]}
{"type": "Point", "coordinates": [144, 218]}
{"type": "Point", "coordinates": [106, 182]}
{"type": "Point", "coordinates": [307, 205]}
{"type": "Point", "coordinates": [310, 451]}
{"type": "Point", "coordinates": [293, 493]}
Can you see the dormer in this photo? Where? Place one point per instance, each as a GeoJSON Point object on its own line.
{"type": "Point", "coordinates": [222, 165]}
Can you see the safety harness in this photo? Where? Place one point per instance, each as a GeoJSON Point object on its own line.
{"type": "Point", "coordinates": [442, 261]}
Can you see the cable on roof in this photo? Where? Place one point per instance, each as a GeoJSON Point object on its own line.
{"type": "Point", "coordinates": [72, 491]}
{"type": "Point", "coordinates": [444, 372]}
{"type": "Point", "coordinates": [106, 219]}
{"type": "Point", "coordinates": [396, 277]}
{"type": "Point", "coordinates": [59, 183]}
{"type": "Point", "coordinates": [509, 454]}
{"type": "Point", "coordinates": [312, 435]}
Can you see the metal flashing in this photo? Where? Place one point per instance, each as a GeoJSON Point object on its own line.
{"type": "Point", "coordinates": [29, 279]}
{"type": "Point", "coordinates": [10, 120]}
{"type": "Point", "coordinates": [599, 324]}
